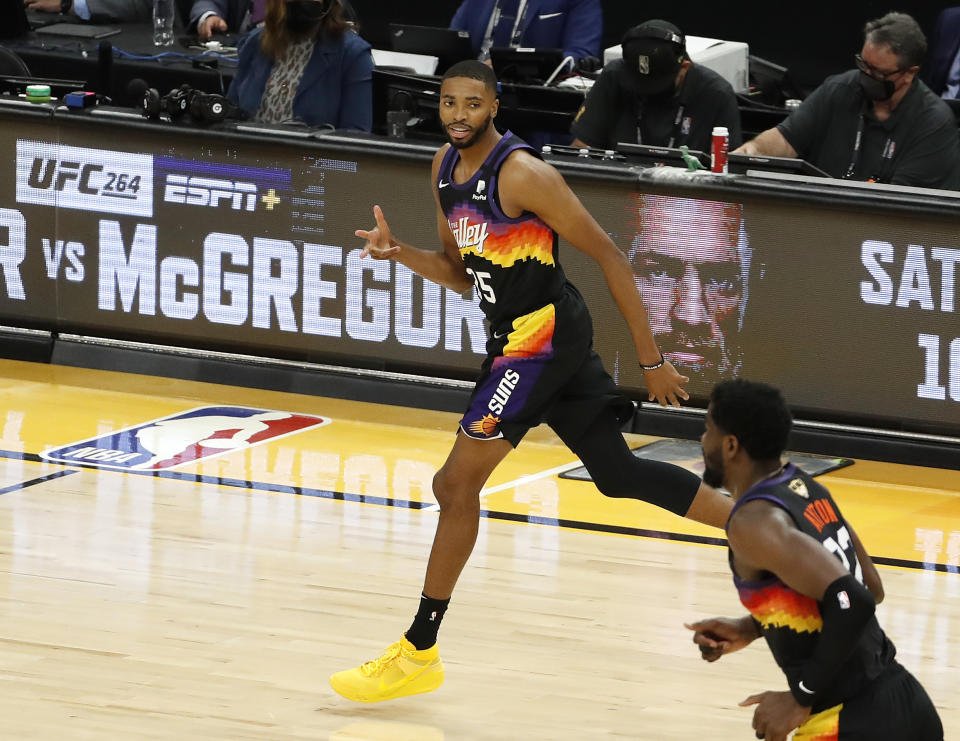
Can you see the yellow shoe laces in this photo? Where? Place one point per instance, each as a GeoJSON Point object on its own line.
{"type": "Point", "coordinates": [379, 664]}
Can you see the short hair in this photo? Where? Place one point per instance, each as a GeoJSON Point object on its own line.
{"type": "Point", "coordinates": [474, 70]}
{"type": "Point", "coordinates": [755, 413]}
{"type": "Point", "coordinates": [651, 205]}
{"type": "Point", "coordinates": [902, 34]}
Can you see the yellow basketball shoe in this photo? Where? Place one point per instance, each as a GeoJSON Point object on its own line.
{"type": "Point", "coordinates": [399, 671]}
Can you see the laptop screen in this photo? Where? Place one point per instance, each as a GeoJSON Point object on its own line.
{"type": "Point", "coordinates": [740, 163]}
{"type": "Point", "coordinates": [646, 154]}
{"type": "Point", "coordinates": [526, 65]}
{"type": "Point", "coordinates": [448, 45]}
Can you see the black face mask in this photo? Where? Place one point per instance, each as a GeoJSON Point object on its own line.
{"type": "Point", "coordinates": [876, 89]}
{"type": "Point", "coordinates": [303, 14]}
{"type": "Point", "coordinates": [661, 96]}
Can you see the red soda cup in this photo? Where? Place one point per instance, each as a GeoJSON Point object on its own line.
{"type": "Point", "coordinates": [718, 149]}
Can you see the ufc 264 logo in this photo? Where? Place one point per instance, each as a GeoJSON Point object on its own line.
{"type": "Point", "coordinates": [86, 179]}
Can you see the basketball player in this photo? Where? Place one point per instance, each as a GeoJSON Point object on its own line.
{"type": "Point", "coordinates": [809, 586]}
{"type": "Point", "coordinates": [500, 210]}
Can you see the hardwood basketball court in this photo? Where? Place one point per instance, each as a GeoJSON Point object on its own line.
{"type": "Point", "coordinates": [213, 601]}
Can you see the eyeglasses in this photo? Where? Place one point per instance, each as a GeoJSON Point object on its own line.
{"type": "Point", "coordinates": [864, 66]}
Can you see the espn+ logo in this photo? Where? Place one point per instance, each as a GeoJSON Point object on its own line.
{"type": "Point", "coordinates": [211, 192]}
{"type": "Point", "coordinates": [85, 179]}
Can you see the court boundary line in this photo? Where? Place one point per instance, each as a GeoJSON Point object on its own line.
{"type": "Point", "coordinates": [34, 482]}
{"type": "Point", "coordinates": [431, 506]}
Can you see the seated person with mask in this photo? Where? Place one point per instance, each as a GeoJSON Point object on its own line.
{"type": "Point", "coordinates": [98, 11]}
{"type": "Point", "coordinates": [879, 122]}
{"type": "Point", "coordinates": [574, 26]}
{"type": "Point", "coordinates": [306, 63]}
{"type": "Point", "coordinates": [655, 95]}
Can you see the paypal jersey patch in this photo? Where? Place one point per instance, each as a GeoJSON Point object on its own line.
{"type": "Point", "coordinates": [182, 438]}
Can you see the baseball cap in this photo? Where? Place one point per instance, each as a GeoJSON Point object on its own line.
{"type": "Point", "coordinates": [652, 55]}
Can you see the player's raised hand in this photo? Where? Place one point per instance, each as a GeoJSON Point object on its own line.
{"type": "Point", "coordinates": [718, 636]}
{"type": "Point", "coordinates": [665, 385]}
{"type": "Point", "coordinates": [380, 245]}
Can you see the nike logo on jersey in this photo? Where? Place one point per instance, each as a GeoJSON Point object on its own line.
{"type": "Point", "coordinates": [469, 235]}
{"type": "Point", "coordinates": [442, 184]}
{"type": "Point", "coordinates": [544, 16]}
{"type": "Point", "coordinates": [809, 692]}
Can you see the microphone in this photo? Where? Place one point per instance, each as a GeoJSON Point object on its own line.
{"type": "Point", "coordinates": [104, 68]}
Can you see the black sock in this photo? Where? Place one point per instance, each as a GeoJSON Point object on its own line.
{"type": "Point", "coordinates": [423, 633]}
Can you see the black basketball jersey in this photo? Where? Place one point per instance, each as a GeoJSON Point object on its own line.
{"type": "Point", "coordinates": [514, 263]}
{"type": "Point", "coordinates": [790, 621]}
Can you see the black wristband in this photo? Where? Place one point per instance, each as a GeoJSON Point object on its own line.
{"type": "Point", "coordinates": [655, 365]}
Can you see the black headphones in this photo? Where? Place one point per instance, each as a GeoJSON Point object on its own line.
{"type": "Point", "coordinates": [646, 31]}
{"type": "Point", "coordinates": [184, 100]}
{"type": "Point", "coordinates": [174, 104]}
{"type": "Point", "coordinates": [212, 108]}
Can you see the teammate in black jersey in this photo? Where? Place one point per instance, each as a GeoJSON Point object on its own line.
{"type": "Point", "coordinates": [500, 210]}
{"type": "Point", "coordinates": [809, 586]}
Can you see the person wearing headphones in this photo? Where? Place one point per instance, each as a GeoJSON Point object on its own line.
{"type": "Point", "coordinates": [305, 64]}
{"type": "Point", "coordinates": [655, 95]}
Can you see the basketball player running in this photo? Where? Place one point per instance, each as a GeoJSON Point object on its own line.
{"type": "Point", "coordinates": [500, 210]}
{"type": "Point", "coordinates": [800, 570]}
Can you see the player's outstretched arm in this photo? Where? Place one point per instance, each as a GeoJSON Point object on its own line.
{"type": "Point", "coordinates": [445, 268]}
{"type": "Point", "coordinates": [719, 636]}
{"type": "Point", "coordinates": [529, 184]}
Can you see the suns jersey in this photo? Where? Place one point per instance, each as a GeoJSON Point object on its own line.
{"type": "Point", "coordinates": [790, 621]}
{"type": "Point", "coordinates": [514, 262]}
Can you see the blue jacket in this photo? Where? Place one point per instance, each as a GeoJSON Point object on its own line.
{"type": "Point", "coordinates": [335, 89]}
{"type": "Point", "coordinates": [944, 43]}
{"type": "Point", "coordinates": [576, 26]}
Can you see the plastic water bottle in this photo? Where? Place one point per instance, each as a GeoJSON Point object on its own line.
{"type": "Point", "coordinates": [163, 22]}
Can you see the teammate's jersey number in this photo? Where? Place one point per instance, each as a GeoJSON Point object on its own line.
{"type": "Point", "coordinates": [482, 281]}
{"type": "Point", "coordinates": [842, 547]}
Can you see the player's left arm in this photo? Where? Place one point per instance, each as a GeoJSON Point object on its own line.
{"type": "Point", "coordinates": [529, 184]}
{"type": "Point", "coordinates": [871, 576]}
{"type": "Point", "coordinates": [764, 538]}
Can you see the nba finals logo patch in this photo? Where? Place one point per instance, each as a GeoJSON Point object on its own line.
{"type": "Point", "coordinates": [183, 438]}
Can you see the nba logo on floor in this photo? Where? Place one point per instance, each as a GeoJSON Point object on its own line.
{"type": "Point", "coordinates": [182, 438]}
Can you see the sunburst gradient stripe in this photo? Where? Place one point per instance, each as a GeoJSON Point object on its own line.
{"type": "Point", "coordinates": [510, 243]}
{"type": "Point", "coordinates": [822, 726]}
{"type": "Point", "coordinates": [778, 606]}
{"type": "Point", "coordinates": [532, 334]}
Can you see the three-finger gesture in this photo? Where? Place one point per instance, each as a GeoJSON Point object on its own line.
{"type": "Point", "coordinates": [380, 245]}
